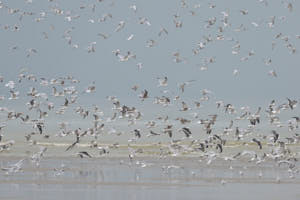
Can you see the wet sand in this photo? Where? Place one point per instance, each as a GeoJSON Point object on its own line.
{"type": "Point", "coordinates": [146, 177]}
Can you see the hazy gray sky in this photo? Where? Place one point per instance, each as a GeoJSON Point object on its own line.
{"type": "Point", "coordinates": [55, 57]}
{"type": "Point", "coordinates": [226, 36]}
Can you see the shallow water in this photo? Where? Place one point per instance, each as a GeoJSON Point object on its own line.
{"type": "Point", "coordinates": [146, 178]}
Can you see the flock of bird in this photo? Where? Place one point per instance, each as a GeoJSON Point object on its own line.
{"type": "Point", "coordinates": [181, 130]}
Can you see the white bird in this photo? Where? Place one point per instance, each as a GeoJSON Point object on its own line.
{"type": "Point", "coordinates": [162, 82]}
{"type": "Point", "coordinates": [103, 35]}
{"type": "Point", "coordinates": [235, 72]}
{"type": "Point", "coordinates": [91, 47]}
{"type": "Point", "coordinates": [272, 73]}
{"type": "Point", "coordinates": [120, 26]}
{"type": "Point", "coordinates": [14, 95]}
{"type": "Point", "coordinates": [139, 65]}
{"type": "Point", "coordinates": [163, 30]}
{"type": "Point", "coordinates": [130, 37]}
{"type": "Point", "coordinates": [91, 88]}
{"type": "Point", "coordinates": [31, 51]}
{"type": "Point", "coordinates": [133, 7]}
{"type": "Point", "coordinates": [143, 20]}
{"type": "Point", "coordinates": [244, 12]}
{"type": "Point", "coordinates": [10, 85]}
